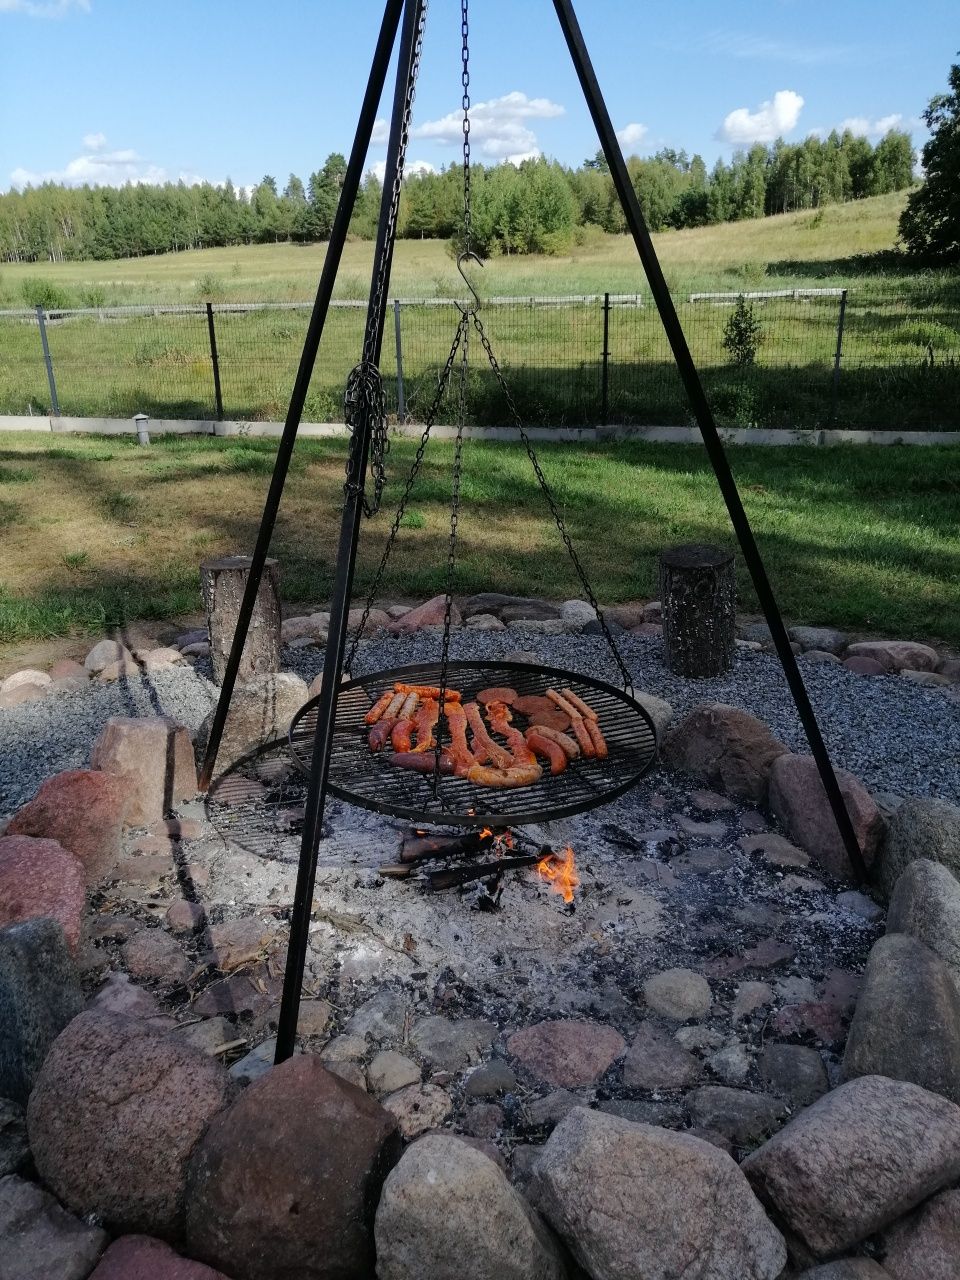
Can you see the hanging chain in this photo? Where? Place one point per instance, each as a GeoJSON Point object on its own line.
{"type": "Point", "coordinates": [431, 418]}
{"type": "Point", "coordinates": [465, 80]}
{"type": "Point", "coordinates": [552, 503]}
{"type": "Point", "coordinates": [364, 399]}
{"type": "Point", "coordinates": [452, 543]}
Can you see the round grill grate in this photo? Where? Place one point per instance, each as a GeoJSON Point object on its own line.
{"type": "Point", "coordinates": [369, 779]}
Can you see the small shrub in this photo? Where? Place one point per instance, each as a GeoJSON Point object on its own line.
{"type": "Point", "coordinates": [44, 293]}
{"type": "Point", "coordinates": [95, 296]}
{"type": "Point", "coordinates": [742, 334]}
{"type": "Point", "coordinates": [413, 520]}
{"type": "Point", "coordinates": [76, 559]}
{"type": "Point", "coordinates": [210, 288]}
{"type": "Point", "coordinates": [158, 351]}
{"type": "Point", "coordinates": [752, 273]}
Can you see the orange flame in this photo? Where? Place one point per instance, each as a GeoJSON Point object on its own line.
{"type": "Point", "coordinates": [560, 873]}
{"type": "Point", "coordinates": [486, 833]}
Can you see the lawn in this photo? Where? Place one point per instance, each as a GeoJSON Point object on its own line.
{"type": "Point", "coordinates": [98, 531]}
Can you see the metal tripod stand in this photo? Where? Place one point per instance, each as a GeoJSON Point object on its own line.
{"type": "Point", "coordinates": [407, 17]}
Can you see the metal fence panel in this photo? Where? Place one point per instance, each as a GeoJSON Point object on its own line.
{"type": "Point", "coordinates": [899, 365]}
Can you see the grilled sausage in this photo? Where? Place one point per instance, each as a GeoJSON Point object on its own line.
{"type": "Point", "coordinates": [422, 761]}
{"type": "Point", "coordinates": [522, 775]}
{"type": "Point", "coordinates": [588, 713]}
{"type": "Point", "coordinates": [563, 740]}
{"type": "Point", "coordinates": [379, 707]}
{"type": "Point", "coordinates": [379, 735]}
{"type": "Point", "coordinates": [597, 738]}
{"type": "Point", "coordinates": [551, 750]}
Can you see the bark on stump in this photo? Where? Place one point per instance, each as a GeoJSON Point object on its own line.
{"type": "Point", "coordinates": [222, 583]}
{"type": "Point", "coordinates": [698, 597]}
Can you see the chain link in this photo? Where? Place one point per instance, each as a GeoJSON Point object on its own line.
{"type": "Point", "coordinates": [452, 545]}
{"type": "Point", "coordinates": [364, 398]}
{"type": "Point", "coordinates": [465, 80]}
{"type": "Point", "coordinates": [552, 503]}
{"type": "Point", "coordinates": [431, 418]}
{"type": "Point", "coordinates": [364, 401]}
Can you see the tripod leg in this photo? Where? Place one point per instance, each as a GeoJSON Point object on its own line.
{"type": "Point", "coordinates": [340, 602]}
{"type": "Point", "coordinates": [338, 236]}
{"type": "Point", "coordinates": [708, 428]}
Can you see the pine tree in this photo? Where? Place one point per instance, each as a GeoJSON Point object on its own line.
{"type": "Point", "coordinates": [742, 334]}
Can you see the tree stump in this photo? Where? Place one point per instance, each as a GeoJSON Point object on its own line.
{"type": "Point", "coordinates": [222, 583]}
{"type": "Point", "coordinates": [698, 597]}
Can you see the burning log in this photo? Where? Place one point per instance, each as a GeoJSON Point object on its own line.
{"type": "Point", "coordinates": [417, 848]}
{"type": "Point", "coordinates": [452, 877]}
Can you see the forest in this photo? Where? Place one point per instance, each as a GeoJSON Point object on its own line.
{"type": "Point", "coordinates": [540, 207]}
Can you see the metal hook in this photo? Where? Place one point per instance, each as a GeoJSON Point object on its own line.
{"type": "Point", "coordinates": [468, 311]}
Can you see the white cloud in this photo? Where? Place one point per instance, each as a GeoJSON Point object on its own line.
{"type": "Point", "coordinates": [770, 121]}
{"type": "Point", "coordinates": [518, 157]}
{"type": "Point", "coordinates": [632, 135]}
{"type": "Point", "coordinates": [866, 128]}
{"type": "Point", "coordinates": [411, 170]}
{"type": "Point", "coordinates": [499, 128]}
{"type": "Point", "coordinates": [381, 132]}
{"type": "Point", "coordinates": [44, 8]}
{"type": "Point", "coordinates": [96, 166]}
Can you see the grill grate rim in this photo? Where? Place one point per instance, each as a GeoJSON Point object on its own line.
{"type": "Point", "coordinates": [364, 778]}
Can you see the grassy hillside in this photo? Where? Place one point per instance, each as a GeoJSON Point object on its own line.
{"type": "Point", "coordinates": [790, 250]}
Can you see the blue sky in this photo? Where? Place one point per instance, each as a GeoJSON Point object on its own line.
{"type": "Point", "coordinates": [116, 90]}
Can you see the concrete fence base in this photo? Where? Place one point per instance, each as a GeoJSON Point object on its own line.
{"type": "Point", "coordinates": [566, 435]}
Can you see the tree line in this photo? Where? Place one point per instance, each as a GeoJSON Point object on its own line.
{"type": "Point", "coordinates": [540, 207]}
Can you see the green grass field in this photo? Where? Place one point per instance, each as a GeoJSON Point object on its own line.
{"type": "Point", "coordinates": [793, 250]}
{"type": "Point", "coordinates": [901, 343]}
{"type": "Point", "coordinates": [98, 531]}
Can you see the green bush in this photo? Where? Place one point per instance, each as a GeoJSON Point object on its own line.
{"type": "Point", "coordinates": [742, 334]}
{"type": "Point", "coordinates": [210, 288]}
{"type": "Point", "coordinates": [44, 293]}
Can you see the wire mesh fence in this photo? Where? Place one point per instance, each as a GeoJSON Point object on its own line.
{"type": "Point", "coordinates": [818, 358]}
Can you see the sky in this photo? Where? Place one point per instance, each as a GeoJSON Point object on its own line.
{"type": "Point", "coordinates": [112, 91]}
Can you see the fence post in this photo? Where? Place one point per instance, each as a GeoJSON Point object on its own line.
{"type": "Point", "coordinates": [401, 399]}
{"type": "Point", "coordinates": [835, 389]}
{"type": "Point", "coordinates": [605, 370]}
{"type": "Point", "coordinates": [54, 402]}
{"type": "Point", "coordinates": [215, 361]}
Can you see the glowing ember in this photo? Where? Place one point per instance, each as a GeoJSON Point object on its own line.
{"type": "Point", "coordinates": [560, 873]}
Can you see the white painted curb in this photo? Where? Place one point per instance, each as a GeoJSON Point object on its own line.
{"type": "Point", "coordinates": [654, 435]}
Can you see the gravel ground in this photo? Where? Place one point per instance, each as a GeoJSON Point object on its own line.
{"type": "Point", "coordinates": [896, 736]}
{"type": "Point", "coordinates": [38, 739]}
